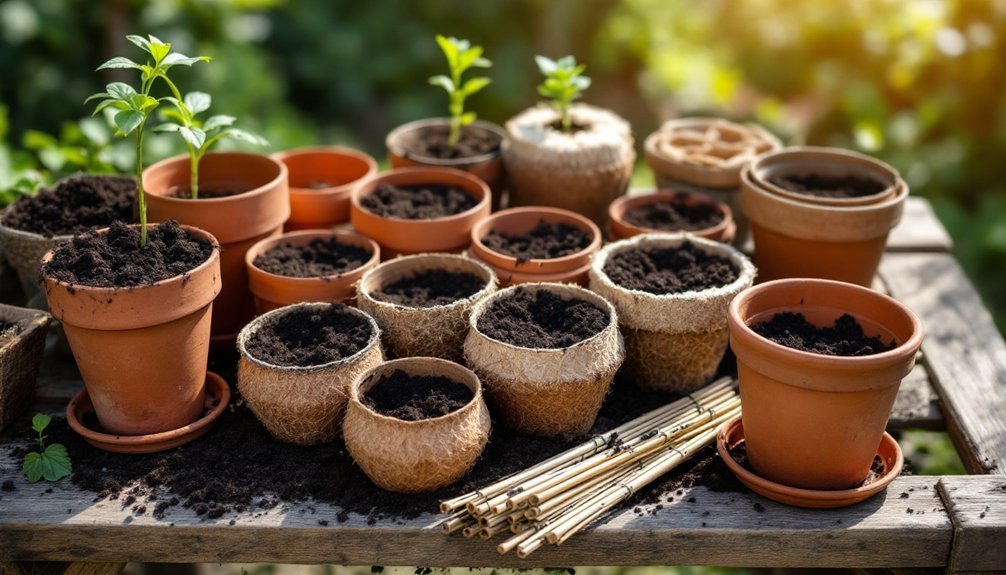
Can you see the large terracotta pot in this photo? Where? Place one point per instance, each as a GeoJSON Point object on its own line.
{"type": "Point", "coordinates": [257, 209]}
{"type": "Point", "coordinates": [321, 180]}
{"type": "Point", "coordinates": [619, 228]}
{"type": "Point", "coordinates": [814, 421]}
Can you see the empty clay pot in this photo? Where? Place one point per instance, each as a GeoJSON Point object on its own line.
{"type": "Point", "coordinates": [822, 161]}
{"type": "Point", "coordinates": [321, 181]}
{"type": "Point", "coordinates": [619, 228]}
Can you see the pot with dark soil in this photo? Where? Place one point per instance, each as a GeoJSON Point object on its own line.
{"type": "Point", "coordinates": [422, 302]}
{"type": "Point", "coordinates": [672, 295]}
{"type": "Point", "coordinates": [310, 265]}
{"type": "Point", "coordinates": [416, 424]}
{"type": "Point", "coordinates": [547, 354]}
{"type": "Point", "coordinates": [321, 181]}
{"type": "Point", "coordinates": [819, 364]}
{"type": "Point", "coordinates": [297, 363]}
{"type": "Point", "coordinates": [22, 341]}
{"type": "Point", "coordinates": [826, 176]}
{"type": "Point", "coordinates": [667, 211]}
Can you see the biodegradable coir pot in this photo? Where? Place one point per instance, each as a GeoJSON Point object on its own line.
{"type": "Point", "coordinates": [20, 358]}
{"type": "Point", "coordinates": [620, 228]}
{"type": "Point", "coordinates": [321, 181]}
{"type": "Point", "coordinates": [814, 421]}
{"type": "Point", "coordinates": [772, 169]}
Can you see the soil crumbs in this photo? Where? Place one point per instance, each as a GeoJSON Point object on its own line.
{"type": "Point", "coordinates": [415, 397]}
{"type": "Point", "coordinates": [432, 142]}
{"type": "Point", "coordinates": [827, 186]}
{"type": "Point", "coordinates": [675, 215]}
{"type": "Point", "coordinates": [429, 288]}
{"type": "Point", "coordinates": [75, 205]}
{"type": "Point", "coordinates": [420, 202]}
{"type": "Point", "coordinates": [542, 319]}
{"type": "Point", "coordinates": [670, 270]}
{"type": "Point", "coordinates": [305, 337]}
{"type": "Point", "coordinates": [845, 338]}
{"type": "Point", "coordinates": [8, 330]}
{"type": "Point", "coordinates": [545, 241]}
{"type": "Point", "coordinates": [319, 258]}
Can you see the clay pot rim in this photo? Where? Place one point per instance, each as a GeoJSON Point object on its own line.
{"type": "Point", "coordinates": [262, 189]}
{"type": "Point", "coordinates": [654, 156]}
{"type": "Point", "coordinates": [482, 269]}
{"type": "Point", "coordinates": [254, 325]}
{"type": "Point", "coordinates": [391, 142]}
{"type": "Point", "coordinates": [778, 160]}
{"type": "Point", "coordinates": [603, 121]}
{"type": "Point", "coordinates": [670, 196]}
{"type": "Point", "coordinates": [267, 244]}
{"type": "Point", "coordinates": [483, 227]}
{"type": "Point", "coordinates": [470, 380]}
{"type": "Point", "coordinates": [336, 152]}
{"type": "Point", "coordinates": [900, 193]}
{"type": "Point", "coordinates": [427, 175]}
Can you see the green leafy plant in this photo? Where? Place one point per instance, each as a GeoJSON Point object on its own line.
{"type": "Point", "coordinates": [461, 56]}
{"type": "Point", "coordinates": [51, 461]}
{"type": "Point", "coordinates": [133, 107]}
{"type": "Point", "coordinates": [199, 136]}
{"type": "Point", "coordinates": [564, 82]}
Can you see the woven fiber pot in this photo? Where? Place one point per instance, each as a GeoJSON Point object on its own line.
{"type": "Point", "coordinates": [20, 358]}
{"type": "Point", "coordinates": [321, 180]}
{"type": "Point", "coordinates": [416, 456]}
{"type": "Point", "coordinates": [304, 404]}
{"type": "Point", "coordinates": [546, 392]}
{"type": "Point", "coordinates": [437, 331]}
{"type": "Point", "coordinates": [814, 421]}
{"type": "Point", "coordinates": [582, 171]}
{"type": "Point", "coordinates": [819, 161]}
{"type": "Point", "coordinates": [673, 342]}
{"type": "Point", "coordinates": [619, 228]}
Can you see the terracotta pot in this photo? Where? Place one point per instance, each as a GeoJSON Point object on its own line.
{"type": "Point", "coordinates": [487, 167]}
{"type": "Point", "coordinates": [142, 351]}
{"type": "Point", "coordinates": [20, 358]}
{"type": "Point", "coordinates": [814, 421]}
{"type": "Point", "coordinates": [274, 291]}
{"type": "Point", "coordinates": [809, 160]}
{"type": "Point", "coordinates": [798, 239]}
{"type": "Point", "coordinates": [620, 229]}
{"type": "Point", "coordinates": [398, 236]}
{"type": "Point", "coordinates": [257, 209]}
{"type": "Point", "coordinates": [321, 181]}
{"type": "Point", "coordinates": [571, 268]}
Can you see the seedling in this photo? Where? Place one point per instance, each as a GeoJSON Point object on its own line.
{"type": "Point", "coordinates": [461, 56]}
{"type": "Point", "coordinates": [51, 461]}
{"type": "Point", "coordinates": [564, 82]}
{"type": "Point", "coordinates": [133, 107]}
{"type": "Point", "coordinates": [199, 136]}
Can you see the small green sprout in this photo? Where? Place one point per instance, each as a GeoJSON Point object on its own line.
{"type": "Point", "coordinates": [50, 462]}
{"type": "Point", "coordinates": [564, 82]}
{"type": "Point", "coordinates": [461, 56]}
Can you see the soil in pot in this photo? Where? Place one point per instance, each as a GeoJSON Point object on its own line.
{"type": "Point", "coordinates": [844, 338]}
{"type": "Point", "coordinates": [545, 241]}
{"type": "Point", "coordinates": [320, 258]}
{"type": "Point", "coordinates": [419, 202]}
{"type": "Point", "coordinates": [432, 143]}
{"type": "Point", "coordinates": [309, 337]}
{"type": "Point", "coordinates": [675, 216]}
{"type": "Point", "coordinates": [415, 397]}
{"type": "Point", "coordinates": [542, 320]}
{"type": "Point", "coordinates": [670, 270]}
{"type": "Point", "coordinates": [430, 288]}
{"type": "Point", "coordinates": [828, 186]}
{"type": "Point", "coordinates": [75, 205]}
{"type": "Point", "coordinates": [8, 330]}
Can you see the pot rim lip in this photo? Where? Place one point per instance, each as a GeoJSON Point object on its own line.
{"type": "Point", "coordinates": [651, 151]}
{"type": "Point", "coordinates": [253, 326]}
{"type": "Point", "coordinates": [391, 144]}
{"type": "Point", "coordinates": [375, 254]}
{"type": "Point", "coordinates": [259, 190]}
{"type": "Point", "coordinates": [485, 290]}
{"type": "Point", "coordinates": [833, 156]}
{"type": "Point", "coordinates": [486, 222]}
{"type": "Point", "coordinates": [334, 151]}
{"type": "Point", "coordinates": [607, 122]}
{"type": "Point", "coordinates": [671, 196]}
{"type": "Point", "coordinates": [747, 181]}
{"type": "Point", "coordinates": [911, 344]}
{"type": "Point", "coordinates": [432, 171]}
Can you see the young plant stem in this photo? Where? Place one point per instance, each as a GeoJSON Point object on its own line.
{"type": "Point", "coordinates": [194, 157]}
{"type": "Point", "coordinates": [457, 109]}
{"type": "Point", "coordinates": [567, 123]}
{"type": "Point", "coordinates": [140, 198]}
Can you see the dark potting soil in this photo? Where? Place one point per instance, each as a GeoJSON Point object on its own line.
{"type": "Point", "coordinates": [826, 186]}
{"type": "Point", "coordinates": [541, 319]}
{"type": "Point", "coordinates": [319, 258]}
{"type": "Point", "coordinates": [8, 330]}
{"type": "Point", "coordinates": [670, 270]}
{"type": "Point", "coordinates": [845, 338]}
{"type": "Point", "coordinates": [115, 259]}
{"type": "Point", "coordinates": [546, 241]}
{"type": "Point", "coordinates": [415, 397]}
{"type": "Point", "coordinates": [305, 337]}
{"type": "Point", "coordinates": [674, 216]}
{"type": "Point", "coordinates": [432, 143]}
{"type": "Point", "coordinates": [420, 202]}
{"type": "Point", "coordinates": [430, 288]}
{"type": "Point", "coordinates": [574, 127]}
{"type": "Point", "coordinates": [76, 205]}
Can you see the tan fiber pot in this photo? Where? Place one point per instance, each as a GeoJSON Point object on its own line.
{"type": "Point", "coordinates": [814, 421]}
{"type": "Point", "coordinates": [582, 171]}
{"type": "Point", "coordinates": [257, 209]}
{"type": "Point", "coordinates": [673, 342]}
{"type": "Point", "coordinates": [20, 358]}
{"type": "Point", "coordinates": [416, 456]}
{"type": "Point", "coordinates": [546, 392]}
{"type": "Point", "coordinates": [619, 228]}
{"type": "Point", "coordinates": [437, 331]}
{"type": "Point", "coordinates": [321, 180]}
{"type": "Point", "coordinates": [304, 404]}
{"type": "Point", "coordinates": [821, 161]}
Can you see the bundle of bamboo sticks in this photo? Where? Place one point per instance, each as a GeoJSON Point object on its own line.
{"type": "Point", "coordinates": [555, 499]}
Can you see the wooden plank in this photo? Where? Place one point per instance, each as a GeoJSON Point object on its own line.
{"type": "Point", "coordinates": [919, 230]}
{"type": "Point", "coordinates": [917, 405]}
{"type": "Point", "coordinates": [61, 568]}
{"type": "Point", "coordinates": [977, 507]}
{"type": "Point", "coordinates": [963, 352]}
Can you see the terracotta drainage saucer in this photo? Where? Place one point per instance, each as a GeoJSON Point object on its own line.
{"type": "Point", "coordinates": [889, 452]}
{"type": "Point", "coordinates": [218, 395]}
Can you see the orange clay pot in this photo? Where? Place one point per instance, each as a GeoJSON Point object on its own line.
{"type": "Point", "coordinates": [257, 209]}
{"type": "Point", "coordinates": [805, 160]}
{"type": "Point", "coordinates": [273, 291]}
{"type": "Point", "coordinates": [814, 421]}
{"type": "Point", "coordinates": [321, 181]}
{"type": "Point", "coordinates": [399, 236]}
{"type": "Point", "coordinates": [142, 351]}
{"type": "Point", "coordinates": [572, 268]}
{"type": "Point", "coordinates": [619, 229]}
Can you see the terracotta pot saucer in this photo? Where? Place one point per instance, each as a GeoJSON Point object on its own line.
{"type": "Point", "coordinates": [889, 452]}
{"type": "Point", "coordinates": [218, 396]}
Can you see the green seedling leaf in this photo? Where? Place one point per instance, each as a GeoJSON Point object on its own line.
{"type": "Point", "coordinates": [461, 55]}
{"type": "Point", "coordinates": [56, 463]}
{"type": "Point", "coordinates": [128, 120]}
{"type": "Point", "coordinates": [140, 41]}
{"type": "Point", "coordinates": [468, 118]}
{"type": "Point", "coordinates": [563, 83]}
{"type": "Point", "coordinates": [32, 466]}
{"type": "Point", "coordinates": [158, 49]}
{"type": "Point", "coordinates": [117, 63]}
{"type": "Point", "coordinates": [40, 421]}
{"type": "Point", "coordinates": [193, 136]}
{"type": "Point", "coordinates": [52, 462]}
{"type": "Point", "coordinates": [218, 121]}
{"type": "Point", "coordinates": [176, 59]}
{"type": "Point", "coordinates": [546, 66]}
{"type": "Point", "coordinates": [444, 82]}
{"type": "Point", "coordinates": [120, 90]}
{"type": "Point", "coordinates": [473, 85]}
{"type": "Point", "coordinates": [197, 102]}
{"type": "Point", "coordinates": [245, 137]}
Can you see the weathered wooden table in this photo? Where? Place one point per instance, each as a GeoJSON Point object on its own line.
{"type": "Point", "coordinates": [955, 523]}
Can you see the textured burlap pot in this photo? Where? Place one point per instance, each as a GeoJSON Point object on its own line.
{"type": "Point", "coordinates": [20, 357]}
{"type": "Point", "coordinates": [546, 392]}
{"type": "Point", "coordinates": [437, 331]}
{"type": "Point", "coordinates": [582, 171]}
{"type": "Point", "coordinates": [422, 455]}
{"type": "Point", "coordinates": [673, 342]}
{"type": "Point", "coordinates": [303, 405]}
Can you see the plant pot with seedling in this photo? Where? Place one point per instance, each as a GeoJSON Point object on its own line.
{"type": "Point", "coordinates": [321, 181]}
{"type": "Point", "coordinates": [297, 363]}
{"type": "Point", "coordinates": [666, 211]}
{"type": "Point", "coordinates": [22, 341]}
{"type": "Point", "coordinates": [671, 294]}
{"type": "Point", "coordinates": [566, 155]}
{"type": "Point", "coordinates": [547, 354]}
{"type": "Point", "coordinates": [416, 424]}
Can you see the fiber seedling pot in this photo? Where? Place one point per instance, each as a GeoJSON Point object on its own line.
{"type": "Point", "coordinates": [546, 392]}
{"type": "Point", "coordinates": [804, 161]}
{"type": "Point", "coordinates": [20, 357]}
{"type": "Point", "coordinates": [814, 421]}
{"type": "Point", "coordinates": [321, 181]}
{"type": "Point", "coordinates": [436, 331]}
{"type": "Point", "coordinates": [673, 342]}
{"type": "Point", "coordinates": [302, 404]}
{"type": "Point", "coordinates": [422, 455]}
{"type": "Point", "coordinates": [620, 228]}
